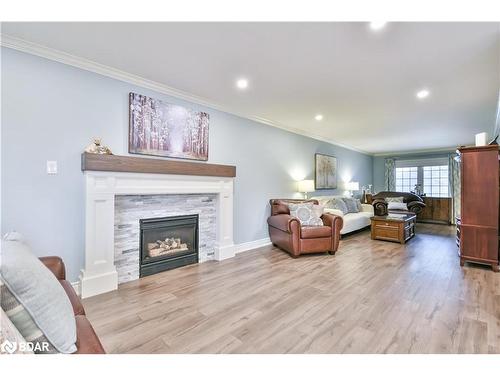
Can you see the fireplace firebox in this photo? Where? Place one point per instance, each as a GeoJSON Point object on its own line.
{"type": "Point", "coordinates": [167, 242]}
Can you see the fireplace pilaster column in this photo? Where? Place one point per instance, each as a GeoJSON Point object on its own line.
{"type": "Point", "coordinates": [225, 245]}
{"type": "Point", "coordinates": [99, 275]}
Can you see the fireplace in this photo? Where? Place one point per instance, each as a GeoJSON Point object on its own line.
{"type": "Point", "coordinates": [116, 201]}
{"type": "Point", "coordinates": [167, 242]}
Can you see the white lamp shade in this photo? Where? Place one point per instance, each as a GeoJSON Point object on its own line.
{"type": "Point", "coordinates": [306, 186]}
{"type": "Point", "coordinates": [352, 186]}
{"type": "Point", "coordinates": [482, 139]}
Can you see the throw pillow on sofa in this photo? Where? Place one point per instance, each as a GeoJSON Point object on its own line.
{"type": "Point", "coordinates": [352, 205]}
{"type": "Point", "coordinates": [397, 206]}
{"type": "Point", "coordinates": [394, 199]}
{"type": "Point", "coordinates": [337, 204]}
{"type": "Point", "coordinates": [32, 284]}
{"type": "Point", "coordinates": [318, 211]}
{"type": "Point", "coordinates": [9, 332]}
{"type": "Point", "coordinates": [23, 322]}
{"type": "Point", "coordinates": [307, 213]}
{"type": "Point", "coordinates": [358, 204]}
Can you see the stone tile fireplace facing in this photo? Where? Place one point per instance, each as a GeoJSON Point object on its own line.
{"type": "Point", "coordinates": [157, 210]}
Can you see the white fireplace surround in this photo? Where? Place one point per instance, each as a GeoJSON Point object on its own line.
{"type": "Point", "coordinates": [99, 275]}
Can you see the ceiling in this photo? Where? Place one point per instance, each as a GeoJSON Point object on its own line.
{"type": "Point", "coordinates": [362, 82]}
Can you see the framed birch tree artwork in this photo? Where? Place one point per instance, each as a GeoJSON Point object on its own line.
{"type": "Point", "coordinates": [325, 172]}
{"type": "Point", "coordinates": [163, 129]}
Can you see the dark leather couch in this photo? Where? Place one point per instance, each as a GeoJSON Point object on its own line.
{"type": "Point", "coordinates": [286, 232]}
{"type": "Point", "coordinates": [87, 341]}
{"type": "Point", "coordinates": [414, 202]}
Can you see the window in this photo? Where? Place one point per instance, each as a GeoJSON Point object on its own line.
{"type": "Point", "coordinates": [430, 174]}
{"type": "Point", "coordinates": [436, 181]}
{"type": "Point", "coordinates": [406, 178]}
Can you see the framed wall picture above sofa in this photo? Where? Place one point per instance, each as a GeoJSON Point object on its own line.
{"type": "Point", "coordinates": [169, 130]}
{"type": "Point", "coordinates": [325, 172]}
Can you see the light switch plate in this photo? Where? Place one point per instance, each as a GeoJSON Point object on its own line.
{"type": "Point", "coordinates": [51, 167]}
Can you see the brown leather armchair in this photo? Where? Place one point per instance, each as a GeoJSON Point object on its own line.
{"type": "Point", "coordinates": [87, 341]}
{"type": "Point", "coordinates": [414, 202]}
{"type": "Point", "coordinates": [286, 232]}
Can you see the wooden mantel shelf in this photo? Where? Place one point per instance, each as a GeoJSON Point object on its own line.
{"type": "Point", "coordinates": [117, 163]}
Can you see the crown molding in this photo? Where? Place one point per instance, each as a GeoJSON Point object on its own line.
{"type": "Point", "coordinates": [417, 152]}
{"type": "Point", "coordinates": [108, 71]}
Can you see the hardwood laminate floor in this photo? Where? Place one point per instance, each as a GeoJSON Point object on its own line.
{"type": "Point", "coordinates": [371, 297]}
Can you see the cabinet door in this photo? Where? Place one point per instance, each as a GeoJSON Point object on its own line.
{"type": "Point", "coordinates": [441, 209]}
{"type": "Point", "coordinates": [480, 188]}
{"type": "Point", "coordinates": [426, 213]}
{"type": "Point", "coordinates": [479, 242]}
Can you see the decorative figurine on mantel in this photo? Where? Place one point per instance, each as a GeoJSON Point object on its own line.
{"type": "Point", "coordinates": [97, 148]}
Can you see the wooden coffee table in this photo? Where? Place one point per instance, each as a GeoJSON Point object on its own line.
{"type": "Point", "coordinates": [394, 227]}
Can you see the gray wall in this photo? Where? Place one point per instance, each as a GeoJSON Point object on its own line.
{"type": "Point", "coordinates": [51, 111]}
{"type": "Point", "coordinates": [378, 165]}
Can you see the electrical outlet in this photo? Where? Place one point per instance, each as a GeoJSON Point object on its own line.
{"type": "Point", "coordinates": [51, 167]}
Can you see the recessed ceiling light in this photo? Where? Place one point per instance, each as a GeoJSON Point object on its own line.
{"type": "Point", "coordinates": [422, 94]}
{"type": "Point", "coordinates": [377, 25]}
{"type": "Point", "coordinates": [242, 83]}
{"type": "Point", "coordinates": [318, 117]}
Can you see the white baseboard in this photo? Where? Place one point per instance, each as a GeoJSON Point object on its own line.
{"type": "Point", "coordinates": [225, 252]}
{"type": "Point", "coordinates": [245, 246]}
{"type": "Point", "coordinates": [97, 283]}
{"type": "Point", "coordinates": [76, 287]}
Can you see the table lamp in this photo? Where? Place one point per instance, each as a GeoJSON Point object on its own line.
{"type": "Point", "coordinates": [352, 186]}
{"type": "Point", "coordinates": [306, 186]}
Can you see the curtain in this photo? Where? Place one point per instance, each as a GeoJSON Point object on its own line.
{"type": "Point", "coordinates": [390, 174]}
{"type": "Point", "coordinates": [455, 186]}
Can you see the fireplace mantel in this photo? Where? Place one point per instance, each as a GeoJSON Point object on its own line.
{"type": "Point", "coordinates": [133, 164]}
{"type": "Point", "coordinates": [101, 187]}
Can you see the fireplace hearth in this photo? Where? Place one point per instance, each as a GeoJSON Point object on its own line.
{"type": "Point", "coordinates": [167, 242]}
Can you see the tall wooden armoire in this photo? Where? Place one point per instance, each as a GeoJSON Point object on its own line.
{"type": "Point", "coordinates": [479, 219]}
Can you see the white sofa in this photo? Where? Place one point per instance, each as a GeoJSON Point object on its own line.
{"type": "Point", "coordinates": [352, 221]}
